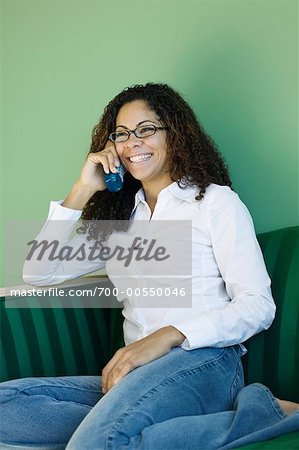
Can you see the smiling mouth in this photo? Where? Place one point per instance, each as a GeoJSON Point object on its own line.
{"type": "Point", "coordinates": [140, 158]}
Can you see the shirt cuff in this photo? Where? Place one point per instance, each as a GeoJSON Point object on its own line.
{"type": "Point", "coordinates": [59, 212]}
{"type": "Point", "coordinates": [60, 222]}
{"type": "Point", "coordinates": [200, 332]}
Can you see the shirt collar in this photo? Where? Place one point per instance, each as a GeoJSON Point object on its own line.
{"type": "Point", "coordinates": [188, 194]}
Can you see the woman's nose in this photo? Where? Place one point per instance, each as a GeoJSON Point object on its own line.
{"type": "Point", "coordinates": [133, 141]}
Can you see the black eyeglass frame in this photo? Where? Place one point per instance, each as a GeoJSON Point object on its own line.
{"type": "Point", "coordinates": [134, 132]}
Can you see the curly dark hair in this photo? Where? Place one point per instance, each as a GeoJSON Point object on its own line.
{"type": "Point", "coordinates": [193, 158]}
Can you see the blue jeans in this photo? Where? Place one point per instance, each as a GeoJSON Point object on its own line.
{"type": "Point", "coordinates": [183, 400]}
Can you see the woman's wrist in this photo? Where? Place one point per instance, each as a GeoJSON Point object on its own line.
{"type": "Point", "coordinates": [175, 336]}
{"type": "Point", "coordinates": [78, 197]}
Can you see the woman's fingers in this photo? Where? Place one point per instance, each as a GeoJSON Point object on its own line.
{"type": "Point", "coordinates": [123, 362]}
{"type": "Point", "coordinates": [110, 148]}
{"type": "Point", "coordinates": [98, 164]}
{"type": "Point", "coordinates": [104, 159]}
{"type": "Point", "coordinates": [107, 157]}
{"type": "Point", "coordinates": [98, 159]}
{"type": "Point", "coordinates": [119, 372]}
{"type": "Point", "coordinates": [111, 161]}
{"type": "Point", "coordinates": [109, 367]}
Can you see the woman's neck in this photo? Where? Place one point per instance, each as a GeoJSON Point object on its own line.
{"type": "Point", "coordinates": [153, 189]}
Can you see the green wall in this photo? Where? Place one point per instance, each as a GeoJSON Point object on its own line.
{"type": "Point", "coordinates": [234, 61]}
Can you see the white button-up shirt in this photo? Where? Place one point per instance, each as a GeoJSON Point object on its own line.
{"type": "Point", "coordinates": [231, 295]}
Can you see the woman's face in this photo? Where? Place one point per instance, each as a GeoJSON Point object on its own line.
{"type": "Point", "coordinates": [145, 158]}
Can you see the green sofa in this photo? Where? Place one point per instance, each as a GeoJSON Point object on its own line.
{"type": "Point", "coordinates": [49, 341]}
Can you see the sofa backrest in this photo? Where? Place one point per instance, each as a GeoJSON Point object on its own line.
{"type": "Point", "coordinates": [39, 341]}
{"type": "Point", "coordinates": [273, 355]}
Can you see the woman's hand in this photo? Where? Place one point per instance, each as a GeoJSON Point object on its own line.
{"type": "Point", "coordinates": [96, 165]}
{"type": "Point", "coordinates": [139, 353]}
{"type": "Point", "coordinates": [92, 177]}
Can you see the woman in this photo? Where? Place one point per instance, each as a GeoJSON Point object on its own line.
{"type": "Point", "coordinates": [178, 382]}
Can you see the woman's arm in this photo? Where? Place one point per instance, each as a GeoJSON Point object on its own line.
{"type": "Point", "coordinates": [79, 196]}
{"type": "Point", "coordinates": [53, 267]}
{"type": "Point", "coordinates": [42, 269]}
{"type": "Point", "coordinates": [241, 264]}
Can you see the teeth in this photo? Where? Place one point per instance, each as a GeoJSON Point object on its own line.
{"type": "Point", "coordinates": [140, 158]}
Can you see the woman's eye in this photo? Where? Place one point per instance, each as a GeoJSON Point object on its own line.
{"type": "Point", "coordinates": [120, 134]}
{"type": "Point", "coordinates": [147, 129]}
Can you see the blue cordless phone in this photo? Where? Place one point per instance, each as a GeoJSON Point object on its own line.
{"type": "Point", "coordinates": [114, 181]}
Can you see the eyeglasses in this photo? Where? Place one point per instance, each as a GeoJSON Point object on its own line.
{"type": "Point", "coordinates": [140, 132]}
